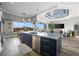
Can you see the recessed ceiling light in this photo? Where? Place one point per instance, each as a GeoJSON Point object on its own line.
{"type": "Point", "coordinates": [24, 13]}
{"type": "Point", "coordinates": [37, 9]}
{"type": "Point", "coordinates": [0, 4]}
{"type": "Point", "coordinates": [11, 2]}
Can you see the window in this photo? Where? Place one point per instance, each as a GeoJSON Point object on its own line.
{"type": "Point", "coordinates": [22, 24]}
{"type": "Point", "coordinates": [40, 25]}
{"type": "Point", "coordinates": [56, 26]}
{"type": "Point", "coordinates": [57, 13]}
{"type": "Point", "coordinates": [27, 24]}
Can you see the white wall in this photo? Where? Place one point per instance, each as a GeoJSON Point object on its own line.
{"type": "Point", "coordinates": [68, 26]}
{"type": "Point", "coordinates": [1, 15]}
{"type": "Point", "coordinates": [73, 12]}
{"type": "Point", "coordinates": [8, 29]}
{"type": "Point", "coordinates": [68, 21]}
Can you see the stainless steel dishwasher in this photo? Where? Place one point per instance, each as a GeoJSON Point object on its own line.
{"type": "Point", "coordinates": [36, 43]}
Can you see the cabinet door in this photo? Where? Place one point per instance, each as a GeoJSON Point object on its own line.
{"type": "Point", "coordinates": [53, 47]}
{"type": "Point", "coordinates": [30, 40]}
{"type": "Point", "coordinates": [26, 38]}
{"type": "Point", "coordinates": [22, 38]}
{"type": "Point", "coordinates": [48, 46]}
{"type": "Point", "coordinates": [45, 50]}
{"type": "Point", "coordinates": [44, 46]}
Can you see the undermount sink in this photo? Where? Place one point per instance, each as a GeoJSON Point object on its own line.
{"type": "Point", "coordinates": [33, 32]}
{"type": "Point", "coordinates": [38, 33]}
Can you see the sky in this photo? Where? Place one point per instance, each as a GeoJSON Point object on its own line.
{"type": "Point", "coordinates": [27, 24]}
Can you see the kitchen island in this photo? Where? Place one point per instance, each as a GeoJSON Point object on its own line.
{"type": "Point", "coordinates": [47, 44]}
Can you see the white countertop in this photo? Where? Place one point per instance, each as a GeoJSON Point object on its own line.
{"type": "Point", "coordinates": [44, 34]}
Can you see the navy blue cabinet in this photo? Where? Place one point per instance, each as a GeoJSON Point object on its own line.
{"type": "Point", "coordinates": [26, 38]}
{"type": "Point", "coordinates": [21, 37]}
{"type": "Point", "coordinates": [49, 46]}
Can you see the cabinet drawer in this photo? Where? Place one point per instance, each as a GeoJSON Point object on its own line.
{"type": "Point", "coordinates": [45, 53]}
{"type": "Point", "coordinates": [45, 43]}
{"type": "Point", "coordinates": [48, 46]}
{"type": "Point", "coordinates": [45, 50]}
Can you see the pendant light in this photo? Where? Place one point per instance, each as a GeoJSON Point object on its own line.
{"type": "Point", "coordinates": [23, 20]}
{"type": "Point", "coordinates": [23, 17]}
{"type": "Point", "coordinates": [29, 19]}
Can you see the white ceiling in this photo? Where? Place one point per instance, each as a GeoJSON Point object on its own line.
{"type": "Point", "coordinates": [34, 8]}
{"type": "Point", "coordinates": [73, 14]}
{"type": "Point", "coordinates": [29, 8]}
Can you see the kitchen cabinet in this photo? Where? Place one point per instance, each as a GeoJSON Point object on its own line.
{"type": "Point", "coordinates": [48, 46]}
{"type": "Point", "coordinates": [45, 45]}
{"type": "Point", "coordinates": [26, 38]}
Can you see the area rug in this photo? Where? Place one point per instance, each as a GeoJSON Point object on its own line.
{"type": "Point", "coordinates": [24, 48]}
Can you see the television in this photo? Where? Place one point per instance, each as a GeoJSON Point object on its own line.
{"type": "Point", "coordinates": [59, 26]}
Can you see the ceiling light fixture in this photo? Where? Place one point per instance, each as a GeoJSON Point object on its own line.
{"type": "Point", "coordinates": [0, 4]}
{"type": "Point", "coordinates": [23, 20]}
{"type": "Point", "coordinates": [57, 13]}
{"type": "Point", "coordinates": [11, 2]}
{"type": "Point", "coordinates": [37, 9]}
{"type": "Point", "coordinates": [29, 19]}
{"type": "Point", "coordinates": [23, 17]}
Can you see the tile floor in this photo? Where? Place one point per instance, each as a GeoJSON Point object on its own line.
{"type": "Point", "coordinates": [10, 47]}
{"type": "Point", "coordinates": [13, 47]}
{"type": "Point", "coordinates": [70, 47]}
